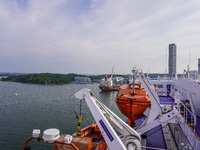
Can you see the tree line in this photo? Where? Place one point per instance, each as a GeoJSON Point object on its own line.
{"type": "Point", "coordinates": [50, 78]}
{"type": "Point", "coordinates": [42, 78]}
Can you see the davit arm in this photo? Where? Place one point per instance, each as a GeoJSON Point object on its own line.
{"type": "Point", "coordinates": [105, 119]}
{"type": "Point", "coordinates": [155, 114]}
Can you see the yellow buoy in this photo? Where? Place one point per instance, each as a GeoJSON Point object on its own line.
{"type": "Point", "coordinates": [15, 94]}
{"type": "Point", "coordinates": [68, 88]}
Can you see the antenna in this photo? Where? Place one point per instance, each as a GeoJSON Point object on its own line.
{"type": "Point", "coordinates": [190, 57]}
{"type": "Point", "coordinates": [166, 61]}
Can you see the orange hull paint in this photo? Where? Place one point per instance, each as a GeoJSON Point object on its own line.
{"type": "Point", "coordinates": [132, 105]}
{"type": "Point", "coordinates": [80, 141]}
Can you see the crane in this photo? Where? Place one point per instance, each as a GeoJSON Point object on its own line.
{"type": "Point", "coordinates": [107, 121]}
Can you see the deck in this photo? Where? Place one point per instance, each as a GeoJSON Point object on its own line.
{"type": "Point", "coordinates": [167, 100]}
{"type": "Point", "coordinates": [159, 131]}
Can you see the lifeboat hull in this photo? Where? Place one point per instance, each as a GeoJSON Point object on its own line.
{"type": "Point", "coordinates": [87, 139]}
{"type": "Point", "coordinates": [84, 140]}
{"type": "Point", "coordinates": [132, 105]}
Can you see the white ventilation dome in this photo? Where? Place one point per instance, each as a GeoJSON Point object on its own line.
{"type": "Point", "coordinates": [50, 135]}
{"type": "Point", "coordinates": [68, 139]}
{"type": "Point", "coordinates": [36, 133]}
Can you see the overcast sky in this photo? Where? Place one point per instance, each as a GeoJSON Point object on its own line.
{"type": "Point", "coordinates": [92, 36]}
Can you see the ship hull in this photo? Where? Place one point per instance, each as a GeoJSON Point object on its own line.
{"type": "Point", "coordinates": [109, 88]}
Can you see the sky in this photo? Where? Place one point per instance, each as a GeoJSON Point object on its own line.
{"type": "Point", "coordinates": [92, 36]}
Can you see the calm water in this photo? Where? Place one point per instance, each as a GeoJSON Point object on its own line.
{"type": "Point", "coordinates": [42, 107]}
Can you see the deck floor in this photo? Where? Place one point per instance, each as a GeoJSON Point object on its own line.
{"type": "Point", "coordinates": [157, 133]}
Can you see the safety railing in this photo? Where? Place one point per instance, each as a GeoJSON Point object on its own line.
{"type": "Point", "coordinates": [189, 127]}
{"type": "Point", "coordinates": [188, 96]}
{"type": "Point", "coordinates": [188, 115]}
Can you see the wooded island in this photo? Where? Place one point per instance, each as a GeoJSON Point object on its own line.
{"type": "Point", "coordinates": [50, 78]}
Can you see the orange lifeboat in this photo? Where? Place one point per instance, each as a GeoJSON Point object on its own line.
{"type": "Point", "coordinates": [132, 101]}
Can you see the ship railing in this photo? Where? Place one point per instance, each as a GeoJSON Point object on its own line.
{"type": "Point", "coordinates": [186, 110]}
{"type": "Point", "coordinates": [191, 101]}
{"type": "Point", "coordinates": [191, 135]}
{"type": "Point", "coordinates": [189, 127]}
{"type": "Point", "coordinates": [188, 115]}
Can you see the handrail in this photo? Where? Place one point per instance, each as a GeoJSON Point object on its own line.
{"type": "Point", "coordinates": [190, 95]}
{"type": "Point", "coordinates": [191, 101]}
{"type": "Point", "coordinates": [193, 116]}
{"type": "Point", "coordinates": [191, 135]}
{"type": "Point", "coordinates": [193, 113]}
{"type": "Point", "coordinates": [30, 138]}
{"type": "Point", "coordinates": [193, 131]}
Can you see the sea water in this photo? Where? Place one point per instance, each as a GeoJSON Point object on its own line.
{"type": "Point", "coordinates": [24, 107]}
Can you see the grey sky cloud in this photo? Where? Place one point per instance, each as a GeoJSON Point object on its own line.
{"type": "Point", "coordinates": [91, 36]}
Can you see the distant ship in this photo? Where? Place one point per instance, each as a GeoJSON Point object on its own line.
{"type": "Point", "coordinates": [107, 84]}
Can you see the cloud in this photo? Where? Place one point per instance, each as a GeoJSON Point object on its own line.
{"type": "Point", "coordinates": [92, 36]}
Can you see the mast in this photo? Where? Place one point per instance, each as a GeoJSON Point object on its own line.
{"type": "Point", "coordinates": [112, 72]}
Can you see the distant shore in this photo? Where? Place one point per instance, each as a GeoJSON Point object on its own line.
{"type": "Point", "coordinates": [51, 79]}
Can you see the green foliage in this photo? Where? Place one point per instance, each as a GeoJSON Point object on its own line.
{"type": "Point", "coordinates": [49, 78]}
{"type": "Point", "coordinates": [42, 78]}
